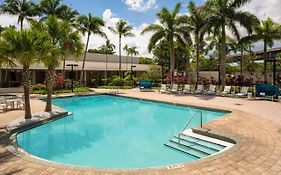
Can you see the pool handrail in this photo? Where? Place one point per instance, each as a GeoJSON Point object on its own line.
{"type": "Point", "coordinates": [187, 123]}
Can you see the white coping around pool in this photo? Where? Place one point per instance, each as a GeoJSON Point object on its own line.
{"type": "Point", "coordinates": [210, 139]}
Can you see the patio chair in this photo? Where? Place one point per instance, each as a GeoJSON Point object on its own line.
{"type": "Point", "coordinates": [186, 89]}
{"type": "Point", "coordinates": [243, 92]}
{"type": "Point", "coordinates": [163, 88]}
{"type": "Point", "coordinates": [175, 88]}
{"type": "Point", "coordinates": [199, 89]}
{"type": "Point", "coordinates": [212, 90]}
{"type": "Point", "coordinates": [226, 90]}
{"type": "Point", "coordinates": [4, 104]}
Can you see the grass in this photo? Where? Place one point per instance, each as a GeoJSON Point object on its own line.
{"type": "Point", "coordinates": [62, 91]}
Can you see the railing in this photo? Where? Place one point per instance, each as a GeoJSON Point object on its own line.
{"type": "Point", "coordinates": [187, 123]}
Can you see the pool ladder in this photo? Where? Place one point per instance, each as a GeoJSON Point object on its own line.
{"type": "Point", "coordinates": [188, 122]}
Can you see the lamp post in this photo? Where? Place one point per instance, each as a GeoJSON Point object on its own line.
{"type": "Point", "coordinates": [132, 72]}
{"type": "Point", "coordinates": [72, 74]}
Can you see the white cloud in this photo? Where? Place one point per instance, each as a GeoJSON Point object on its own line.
{"type": "Point", "coordinates": [140, 41]}
{"type": "Point", "coordinates": [140, 5]}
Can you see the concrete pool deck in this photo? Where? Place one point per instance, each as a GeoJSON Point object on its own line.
{"type": "Point", "coordinates": [255, 125]}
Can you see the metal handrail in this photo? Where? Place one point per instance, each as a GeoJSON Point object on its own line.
{"type": "Point", "coordinates": [187, 123]}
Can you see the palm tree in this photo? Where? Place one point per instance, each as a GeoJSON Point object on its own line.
{"type": "Point", "coordinates": [224, 15]}
{"type": "Point", "coordinates": [126, 48]}
{"type": "Point", "coordinates": [122, 29]}
{"type": "Point", "coordinates": [24, 9]}
{"type": "Point", "coordinates": [133, 52]}
{"type": "Point", "coordinates": [65, 42]}
{"type": "Point", "coordinates": [107, 48]}
{"type": "Point", "coordinates": [197, 21]}
{"type": "Point", "coordinates": [171, 28]}
{"type": "Point", "coordinates": [89, 25]}
{"type": "Point", "coordinates": [24, 47]}
{"type": "Point", "coordinates": [53, 7]}
{"type": "Point", "coordinates": [268, 32]}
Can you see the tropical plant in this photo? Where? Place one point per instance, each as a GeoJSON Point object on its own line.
{"type": "Point", "coordinates": [65, 42]}
{"type": "Point", "coordinates": [121, 29]}
{"type": "Point", "coordinates": [133, 52]}
{"type": "Point", "coordinates": [223, 15]}
{"type": "Point", "coordinates": [171, 28]}
{"type": "Point", "coordinates": [89, 25]}
{"type": "Point", "coordinates": [268, 32]}
{"type": "Point", "coordinates": [126, 49]}
{"type": "Point", "coordinates": [107, 48]}
{"type": "Point", "coordinates": [24, 47]}
{"type": "Point", "coordinates": [24, 9]}
{"type": "Point", "coordinates": [197, 20]}
{"type": "Point", "coordinates": [52, 7]}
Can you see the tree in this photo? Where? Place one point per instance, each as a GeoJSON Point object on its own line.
{"type": "Point", "coordinates": [197, 20]}
{"type": "Point", "coordinates": [127, 50]}
{"type": "Point", "coordinates": [89, 25]}
{"type": "Point", "coordinates": [224, 15]}
{"type": "Point", "coordinates": [107, 48]}
{"type": "Point", "coordinates": [268, 32]}
{"type": "Point", "coordinates": [122, 29]}
{"type": "Point", "coordinates": [171, 28]}
{"type": "Point", "coordinates": [133, 52]}
{"type": "Point", "coordinates": [24, 9]}
{"type": "Point", "coordinates": [53, 7]}
{"type": "Point", "coordinates": [25, 47]}
{"type": "Point", "coordinates": [65, 42]}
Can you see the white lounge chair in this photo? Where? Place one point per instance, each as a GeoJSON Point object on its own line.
{"type": "Point", "coordinates": [163, 88]}
{"type": "Point", "coordinates": [199, 89]}
{"type": "Point", "coordinates": [186, 89]}
{"type": "Point", "coordinates": [243, 92]}
{"type": "Point", "coordinates": [212, 90]}
{"type": "Point", "coordinates": [175, 88]}
{"type": "Point", "coordinates": [226, 90]}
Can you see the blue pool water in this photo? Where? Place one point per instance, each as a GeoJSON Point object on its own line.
{"type": "Point", "coordinates": [112, 132]}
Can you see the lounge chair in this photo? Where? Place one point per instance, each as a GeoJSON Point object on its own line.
{"type": "Point", "coordinates": [187, 89]}
{"type": "Point", "coordinates": [175, 88]}
{"type": "Point", "coordinates": [243, 92]}
{"type": "Point", "coordinates": [212, 90]}
{"type": "Point", "coordinates": [226, 90]}
{"type": "Point", "coordinates": [199, 89]}
{"type": "Point", "coordinates": [163, 88]}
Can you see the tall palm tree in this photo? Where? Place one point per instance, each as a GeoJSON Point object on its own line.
{"type": "Point", "coordinates": [24, 47]}
{"type": "Point", "coordinates": [122, 29]}
{"type": "Point", "coordinates": [65, 42]}
{"type": "Point", "coordinates": [133, 52]}
{"type": "Point", "coordinates": [171, 28]}
{"type": "Point", "coordinates": [223, 15]}
{"type": "Point", "coordinates": [24, 9]}
{"type": "Point", "coordinates": [126, 48]}
{"type": "Point", "coordinates": [197, 20]}
{"type": "Point", "coordinates": [268, 32]}
{"type": "Point", "coordinates": [52, 7]}
{"type": "Point", "coordinates": [107, 48]}
{"type": "Point", "coordinates": [89, 25]}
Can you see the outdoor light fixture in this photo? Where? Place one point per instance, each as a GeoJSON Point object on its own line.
{"type": "Point", "coordinates": [71, 76]}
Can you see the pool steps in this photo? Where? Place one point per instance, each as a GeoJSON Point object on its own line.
{"type": "Point", "coordinates": [197, 145]}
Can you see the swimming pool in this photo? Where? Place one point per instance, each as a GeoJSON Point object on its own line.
{"type": "Point", "coordinates": [112, 132]}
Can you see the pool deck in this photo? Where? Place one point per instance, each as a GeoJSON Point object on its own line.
{"type": "Point", "coordinates": [254, 124]}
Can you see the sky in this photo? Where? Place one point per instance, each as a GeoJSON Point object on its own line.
{"type": "Point", "coordinates": [140, 13]}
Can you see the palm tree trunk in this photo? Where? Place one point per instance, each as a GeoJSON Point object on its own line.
{"type": "Point", "coordinates": [26, 89]}
{"type": "Point", "coordinates": [197, 58]}
{"type": "Point", "coordinates": [265, 58]}
{"type": "Point", "coordinates": [49, 86]}
{"type": "Point", "coordinates": [120, 56]}
{"type": "Point", "coordinates": [84, 59]}
{"type": "Point", "coordinates": [172, 63]}
{"type": "Point", "coordinates": [223, 57]}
